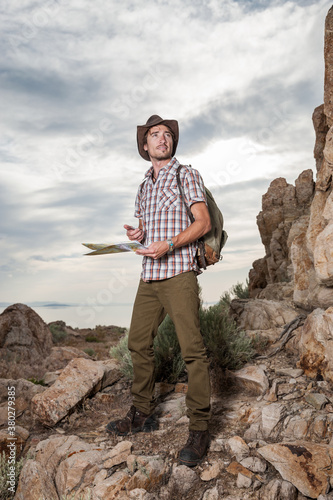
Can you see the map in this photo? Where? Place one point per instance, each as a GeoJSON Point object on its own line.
{"type": "Point", "coordinates": [103, 248]}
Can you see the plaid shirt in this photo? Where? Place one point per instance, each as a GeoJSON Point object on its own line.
{"type": "Point", "coordinates": [163, 216]}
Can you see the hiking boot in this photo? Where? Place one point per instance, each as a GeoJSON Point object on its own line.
{"type": "Point", "coordinates": [195, 448]}
{"type": "Point", "coordinates": [134, 421]}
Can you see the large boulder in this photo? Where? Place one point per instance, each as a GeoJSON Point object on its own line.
{"type": "Point", "coordinates": [306, 465]}
{"type": "Point", "coordinates": [79, 379]}
{"type": "Point", "coordinates": [316, 345]}
{"type": "Point", "coordinates": [262, 314]}
{"type": "Point", "coordinates": [24, 338]}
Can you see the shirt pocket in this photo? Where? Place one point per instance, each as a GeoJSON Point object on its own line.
{"type": "Point", "coordinates": [168, 199]}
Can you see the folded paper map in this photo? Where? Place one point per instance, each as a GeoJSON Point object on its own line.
{"type": "Point", "coordinates": [102, 248]}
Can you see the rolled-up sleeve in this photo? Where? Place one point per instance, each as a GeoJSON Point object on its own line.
{"type": "Point", "coordinates": [194, 189]}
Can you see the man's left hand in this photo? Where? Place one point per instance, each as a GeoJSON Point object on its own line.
{"type": "Point", "coordinates": [155, 250]}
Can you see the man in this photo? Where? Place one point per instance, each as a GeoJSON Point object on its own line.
{"type": "Point", "coordinates": [168, 284]}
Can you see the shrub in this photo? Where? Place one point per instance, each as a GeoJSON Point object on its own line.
{"type": "Point", "coordinates": [169, 364]}
{"type": "Point", "coordinates": [92, 338]}
{"type": "Point", "coordinates": [5, 493]}
{"type": "Point", "coordinates": [227, 346]}
{"type": "Point", "coordinates": [37, 381]}
{"type": "Point", "coordinates": [241, 291]}
{"type": "Point", "coordinates": [58, 334]}
{"type": "Point", "coordinates": [122, 354]}
{"type": "Point", "coordinates": [90, 351]}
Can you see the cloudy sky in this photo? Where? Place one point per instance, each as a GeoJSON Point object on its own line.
{"type": "Point", "coordinates": [77, 77]}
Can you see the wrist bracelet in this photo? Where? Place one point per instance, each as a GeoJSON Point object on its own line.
{"type": "Point", "coordinates": [171, 245]}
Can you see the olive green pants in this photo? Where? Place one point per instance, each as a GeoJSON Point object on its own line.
{"type": "Point", "coordinates": [178, 297]}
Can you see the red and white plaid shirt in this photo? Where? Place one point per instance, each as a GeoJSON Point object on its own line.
{"type": "Point", "coordinates": [158, 204]}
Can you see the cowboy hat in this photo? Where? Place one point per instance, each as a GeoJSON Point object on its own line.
{"type": "Point", "coordinates": [152, 122]}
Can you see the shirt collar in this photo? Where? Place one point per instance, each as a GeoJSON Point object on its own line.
{"type": "Point", "coordinates": [172, 163]}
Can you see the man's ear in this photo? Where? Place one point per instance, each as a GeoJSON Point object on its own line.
{"type": "Point", "coordinates": [145, 147]}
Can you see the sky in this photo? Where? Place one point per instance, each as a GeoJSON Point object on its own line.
{"type": "Point", "coordinates": [76, 78]}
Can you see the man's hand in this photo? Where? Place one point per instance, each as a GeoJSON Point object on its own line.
{"type": "Point", "coordinates": [134, 233]}
{"type": "Point", "coordinates": [155, 250]}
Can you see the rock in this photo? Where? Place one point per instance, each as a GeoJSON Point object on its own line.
{"type": "Point", "coordinates": [279, 490]}
{"type": "Point", "coordinates": [211, 473]}
{"type": "Point", "coordinates": [50, 377]}
{"type": "Point", "coordinates": [306, 465]}
{"type": "Point", "coordinates": [110, 487]}
{"type": "Point", "coordinates": [238, 448]}
{"type": "Point", "coordinates": [61, 356]}
{"type": "Point", "coordinates": [243, 481]}
{"type": "Point", "coordinates": [212, 494]}
{"type": "Point", "coordinates": [304, 274]}
{"type": "Point", "coordinates": [251, 378]}
{"type": "Point", "coordinates": [271, 416]}
{"type": "Point", "coordinates": [321, 129]}
{"type": "Point", "coordinates": [118, 454]}
{"type": "Point", "coordinates": [254, 464]}
{"type": "Point", "coordinates": [77, 471]}
{"type": "Point", "coordinates": [317, 400]}
{"type": "Point", "coordinates": [236, 468]}
{"type": "Point", "coordinates": [150, 472]}
{"type": "Point", "coordinates": [112, 373]}
{"type": "Point", "coordinates": [24, 391]}
{"type": "Point", "coordinates": [323, 256]}
{"type": "Point", "coordinates": [171, 409]}
{"type": "Point", "coordinates": [289, 372]}
{"type": "Point", "coordinates": [24, 339]}
{"type": "Point", "coordinates": [328, 54]}
{"type": "Point", "coordinates": [316, 345]}
{"type": "Point", "coordinates": [261, 314]}
{"type": "Point", "coordinates": [73, 467]}
{"type": "Point", "coordinates": [79, 379]}
{"type": "Point", "coordinates": [182, 480]}
{"type": "Point", "coordinates": [297, 428]}
{"type": "Point", "coordinates": [34, 483]}
{"type": "Point", "coordinates": [138, 494]}
{"type": "Point", "coordinates": [271, 394]}
{"type": "Point", "coordinates": [283, 206]}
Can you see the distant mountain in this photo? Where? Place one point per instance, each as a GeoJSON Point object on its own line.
{"type": "Point", "coordinates": [40, 304]}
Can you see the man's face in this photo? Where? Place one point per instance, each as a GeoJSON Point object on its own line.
{"type": "Point", "coordinates": [159, 143]}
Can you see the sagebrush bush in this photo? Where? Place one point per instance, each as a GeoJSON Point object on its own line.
{"type": "Point", "coordinates": [122, 354]}
{"type": "Point", "coordinates": [5, 493]}
{"type": "Point", "coordinates": [168, 359]}
{"type": "Point", "coordinates": [227, 346]}
{"type": "Point", "coordinates": [58, 335]}
{"type": "Point", "coordinates": [241, 291]}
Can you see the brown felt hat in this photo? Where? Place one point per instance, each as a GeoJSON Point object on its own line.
{"type": "Point", "coordinates": [152, 122]}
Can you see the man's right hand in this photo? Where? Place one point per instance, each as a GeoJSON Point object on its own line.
{"type": "Point", "coordinates": [134, 233]}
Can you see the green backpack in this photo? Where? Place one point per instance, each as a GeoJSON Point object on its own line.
{"type": "Point", "coordinates": [211, 244]}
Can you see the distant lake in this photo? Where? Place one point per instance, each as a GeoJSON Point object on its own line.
{"type": "Point", "coordinates": [86, 316]}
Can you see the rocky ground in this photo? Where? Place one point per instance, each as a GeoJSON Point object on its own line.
{"type": "Point", "coordinates": [271, 426]}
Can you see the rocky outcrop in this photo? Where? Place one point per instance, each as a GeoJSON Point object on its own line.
{"type": "Point", "coordinates": [296, 222]}
{"type": "Point", "coordinates": [24, 338]}
{"type": "Point", "coordinates": [79, 379]}
{"type": "Point", "coordinates": [316, 345]}
{"type": "Point", "coordinates": [284, 216]}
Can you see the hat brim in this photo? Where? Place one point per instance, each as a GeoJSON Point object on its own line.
{"type": "Point", "coordinates": [142, 129]}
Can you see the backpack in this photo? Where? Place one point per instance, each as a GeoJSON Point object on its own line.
{"type": "Point", "coordinates": [211, 244]}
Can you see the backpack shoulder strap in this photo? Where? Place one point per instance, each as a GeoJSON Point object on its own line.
{"type": "Point", "coordinates": [143, 184]}
{"type": "Point", "coordinates": [201, 249]}
{"type": "Point", "coordinates": [181, 191]}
